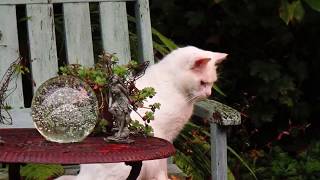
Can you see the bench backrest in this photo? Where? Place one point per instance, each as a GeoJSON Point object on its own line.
{"type": "Point", "coordinates": [77, 34]}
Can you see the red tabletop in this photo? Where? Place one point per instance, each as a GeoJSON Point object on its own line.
{"type": "Point", "coordinates": [28, 146]}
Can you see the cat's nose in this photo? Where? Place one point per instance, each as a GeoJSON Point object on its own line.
{"type": "Point", "coordinates": [208, 92]}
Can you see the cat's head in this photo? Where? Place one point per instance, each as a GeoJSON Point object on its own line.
{"type": "Point", "coordinates": [197, 71]}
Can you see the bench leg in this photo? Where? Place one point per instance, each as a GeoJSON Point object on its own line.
{"type": "Point", "coordinates": [219, 167]}
{"type": "Point", "coordinates": [135, 171]}
{"type": "Point", "coordinates": [14, 171]}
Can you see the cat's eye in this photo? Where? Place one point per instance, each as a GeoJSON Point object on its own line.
{"type": "Point", "coordinates": [202, 83]}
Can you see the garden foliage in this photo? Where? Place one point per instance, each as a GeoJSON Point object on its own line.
{"type": "Point", "coordinates": [271, 76]}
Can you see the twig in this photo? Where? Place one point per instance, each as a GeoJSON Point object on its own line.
{"type": "Point", "coordinates": [4, 84]}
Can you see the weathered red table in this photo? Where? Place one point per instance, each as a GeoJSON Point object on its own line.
{"type": "Point", "coordinates": [28, 146]}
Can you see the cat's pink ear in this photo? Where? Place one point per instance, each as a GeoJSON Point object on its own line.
{"type": "Point", "coordinates": [200, 63]}
{"type": "Point", "coordinates": [219, 57]}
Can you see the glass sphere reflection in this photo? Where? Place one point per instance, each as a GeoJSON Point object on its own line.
{"type": "Point", "coordinates": [64, 109]}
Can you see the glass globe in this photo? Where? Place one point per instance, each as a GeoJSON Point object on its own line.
{"type": "Point", "coordinates": [64, 109]}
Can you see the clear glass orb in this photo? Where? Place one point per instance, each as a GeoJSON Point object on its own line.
{"type": "Point", "coordinates": [64, 109]}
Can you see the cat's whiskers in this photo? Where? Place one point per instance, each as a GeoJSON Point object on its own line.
{"type": "Point", "coordinates": [191, 98]}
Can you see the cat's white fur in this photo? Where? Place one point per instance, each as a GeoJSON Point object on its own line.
{"type": "Point", "coordinates": [180, 79]}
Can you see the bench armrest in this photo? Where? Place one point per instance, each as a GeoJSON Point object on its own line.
{"type": "Point", "coordinates": [219, 116]}
{"type": "Point", "coordinates": [217, 112]}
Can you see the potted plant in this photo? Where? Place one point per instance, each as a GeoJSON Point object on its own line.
{"type": "Point", "coordinates": [114, 86]}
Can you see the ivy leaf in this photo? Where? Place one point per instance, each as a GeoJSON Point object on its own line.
{"type": "Point", "coordinates": [291, 11]}
{"type": "Point", "coordinates": [284, 11]}
{"type": "Point", "coordinates": [314, 4]}
{"type": "Point", "coordinates": [298, 12]}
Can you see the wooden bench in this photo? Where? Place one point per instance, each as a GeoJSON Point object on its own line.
{"type": "Point", "coordinates": [43, 58]}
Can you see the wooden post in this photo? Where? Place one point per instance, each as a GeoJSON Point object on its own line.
{"type": "Point", "coordinates": [220, 117]}
{"type": "Point", "coordinates": [219, 167]}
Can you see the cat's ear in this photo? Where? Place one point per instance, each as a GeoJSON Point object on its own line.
{"type": "Point", "coordinates": [219, 57]}
{"type": "Point", "coordinates": [200, 63]}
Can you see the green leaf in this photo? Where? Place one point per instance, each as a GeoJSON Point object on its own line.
{"type": "Point", "coordinates": [26, 18]}
{"type": "Point", "coordinates": [216, 88]}
{"type": "Point", "coordinates": [298, 12]}
{"type": "Point", "coordinates": [63, 70]}
{"type": "Point", "coordinates": [7, 107]}
{"type": "Point", "coordinates": [285, 13]}
{"type": "Point", "coordinates": [166, 41]}
{"type": "Point", "coordinates": [137, 127]}
{"type": "Point", "coordinates": [312, 166]}
{"type": "Point", "coordinates": [20, 69]}
{"type": "Point", "coordinates": [230, 175]}
{"type": "Point", "coordinates": [41, 171]}
{"type": "Point", "coordinates": [120, 71]}
{"type": "Point", "coordinates": [157, 105]}
{"type": "Point", "coordinates": [148, 92]}
{"type": "Point", "coordinates": [82, 73]}
{"type": "Point", "coordinates": [100, 80]}
{"type": "Point", "coordinates": [291, 11]}
{"type": "Point", "coordinates": [314, 4]}
{"type": "Point", "coordinates": [286, 101]}
{"type": "Point", "coordinates": [133, 64]}
{"type": "Point", "coordinates": [154, 106]}
{"type": "Point", "coordinates": [242, 161]}
{"type": "Point", "coordinates": [160, 48]}
{"type": "Point", "coordinates": [148, 130]}
{"type": "Point", "coordinates": [149, 116]}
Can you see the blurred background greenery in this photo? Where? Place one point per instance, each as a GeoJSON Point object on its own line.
{"type": "Point", "coordinates": [271, 77]}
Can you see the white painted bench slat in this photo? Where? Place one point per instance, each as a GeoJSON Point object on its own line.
{"type": "Point", "coordinates": [114, 28]}
{"type": "Point", "coordinates": [54, 1]}
{"type": "Point", "coordinates": [78, 33]}
{"type": "Point", "coordinates": [9, 52]}
{"type": "Point", "coordinates": [21, 118]}
{"type": "Point", "coordinates": [43, 53]}
{"type": "Point", "coordinates": [142, 14]}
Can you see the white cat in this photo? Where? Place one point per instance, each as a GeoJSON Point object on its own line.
{"type": "Point", "coordinates": [183, 77]}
